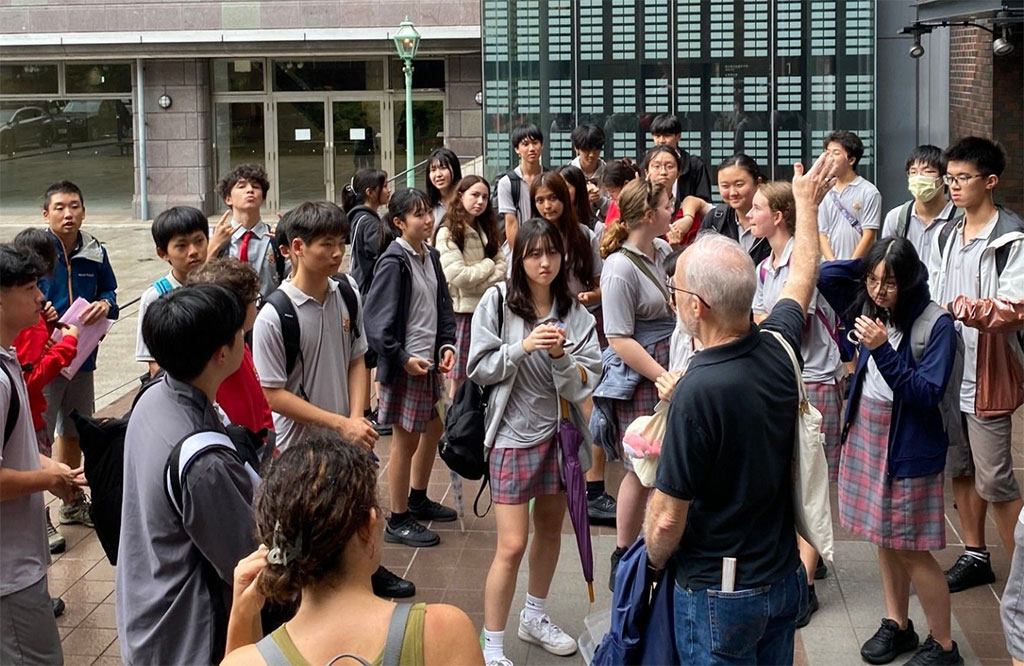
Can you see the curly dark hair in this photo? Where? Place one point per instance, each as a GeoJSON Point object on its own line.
{"type": "Point", "coordinates": [240, 279]}
{"type": "Point", "coordinates": [254, 173]}
{"type": "Point", "coordinates": [314, 498]}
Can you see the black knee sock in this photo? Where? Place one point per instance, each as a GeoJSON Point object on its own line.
{"type": "Point", "coordinates": [417, 497]}
{"type": "Point", "coordinates": [595, 489]}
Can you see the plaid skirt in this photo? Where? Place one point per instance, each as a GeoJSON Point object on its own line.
{"type": "Point", "coordinates": [518, 475]}
{"type": "Point", "coordinates": [409, 402]}
{"type": "Point", "coordinates": [463, 323]}
{"type": "Point", "coordinates": [829, 401]}
{"type": "Point", "coordinates": [901, 514]}
{"type": "Point", "coordinates": [645, 397]}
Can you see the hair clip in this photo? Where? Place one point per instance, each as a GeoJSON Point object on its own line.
{"type": "Point", "coordinates": [281, 552]}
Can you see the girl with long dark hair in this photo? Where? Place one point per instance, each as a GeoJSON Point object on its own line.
{"type": "Point", "coordinates": [535, 345]}
{"type": "Point", "coordinates": [443, 172]}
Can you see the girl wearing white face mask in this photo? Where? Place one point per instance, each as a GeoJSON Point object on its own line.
{"type": "Point", "coordinates": [919, 219]}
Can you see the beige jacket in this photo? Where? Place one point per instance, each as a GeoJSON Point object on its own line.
{"type": "Point", "coordinates": [469, 272]}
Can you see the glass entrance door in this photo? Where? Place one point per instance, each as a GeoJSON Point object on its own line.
{"type": "Point", "coordinates": [302, 167]}
{"type": "Point", "coordinates": [358, 132]}
{"type": "Point", "coordinates": [427, 133]}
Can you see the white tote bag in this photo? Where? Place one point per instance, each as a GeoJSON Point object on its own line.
{"type": "Point", "coordinates": [812, 511]}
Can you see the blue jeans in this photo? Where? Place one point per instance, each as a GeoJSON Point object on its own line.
{"type": "Point", "coordinates": [754, 626]}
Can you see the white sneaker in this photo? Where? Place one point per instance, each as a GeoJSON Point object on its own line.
{"type": "Point", "coordinates": [504, 661]}
{"type": "Point", "coordinates": [547, 634]}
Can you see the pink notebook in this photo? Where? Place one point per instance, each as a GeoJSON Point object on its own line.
{"type": "Point", "coordinates": [88, 336]}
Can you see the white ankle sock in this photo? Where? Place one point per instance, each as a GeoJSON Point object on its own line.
{"type": "Point", "coordinates": [494, 645]}
{"type": "Point", "coordinates": [534, 607]}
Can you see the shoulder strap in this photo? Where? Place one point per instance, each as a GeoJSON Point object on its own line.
{"type": "Point", "coordinates": [278, 258]}
{"type": "Point", "coordinates": [13, 407]}
{"type": "Point", "coordinates": [834, 196]}
{"type": "Point", "coordinates": [348, 294]}
{"type": "Point", "coordinates": [638, 262]}
{"type": "Point", "coordinates": [921, 330]}
{"type": "Point", "coordinates": [796, 365]}
{"type": "Point", "coordinates": [944, 233]}
{"type": "Point", "coordinates": [903, 222]}
{"type": "Point", "coordinates": [163, 286]}
{"type": "Point", "coordinates": [289, 327]}
{"type": "Point", "coordinates": [271, 651]}
{"type": "Point", "coordinates": [396, 634]}
{"type": "Point", "coordinates": [515, 182]}
{"type": "Point", "coordinates": [182, 455]}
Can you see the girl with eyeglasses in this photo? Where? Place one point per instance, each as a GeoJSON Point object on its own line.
{"type": "Point", "coordinates": [639, 322]}
{"type": "Point", "coordinates": [902, 411]}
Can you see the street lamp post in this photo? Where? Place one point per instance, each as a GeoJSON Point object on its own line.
{"type": "Point", "coordinates": [407, 41]}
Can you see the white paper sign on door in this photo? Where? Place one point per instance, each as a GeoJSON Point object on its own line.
{"type": "Point", "coordinates": [302, 134]}
{"type": "Point", "coordinates": [357, 134]}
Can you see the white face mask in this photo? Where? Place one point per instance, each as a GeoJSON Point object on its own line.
{"type": "Point", "coordinates": [924, 188]}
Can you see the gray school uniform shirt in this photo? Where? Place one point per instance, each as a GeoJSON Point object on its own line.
{"type": "Point", "coordinates": [919, 235]}
{"type": "Point", "coordinates": [818, 348]}
{"type": "Point", "coordinates": [165, 614]}
{"type": "Point", "coordinates": [862, 200]}
{"type": "Point", "coordinates": [628, 294]}
{"type": "Point", "coordinates": [421, 329]}
{"type": "Point", "coordinates": [531, 414]}
{"type": "Point", "coordinates": [260, 253]}
{"type": "Point", "coordinates": [327, 346]}
{"type": "Point", "coordinates": [962, 278]}
{"type": "Point", "coordinates": [24, 553]}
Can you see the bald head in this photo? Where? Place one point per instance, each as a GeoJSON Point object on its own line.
{"type": "Point", "coordinates": [718, 268]}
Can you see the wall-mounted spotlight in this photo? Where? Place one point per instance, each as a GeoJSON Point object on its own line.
{"type": "Point", "coordinates": [1001, 45]}
{"type": "Point", "coordinates": [164, 101]}
{"type": "Point", "coordinates": [916, 30]}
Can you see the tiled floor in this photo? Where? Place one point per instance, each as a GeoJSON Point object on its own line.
{"type": "Point", "coordinates": [454, 572]}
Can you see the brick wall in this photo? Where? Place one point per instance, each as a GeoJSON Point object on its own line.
{"type": "Point", "coordinates": [985, 100]}
{"type": "Point", "coordinates": [1008, 121]}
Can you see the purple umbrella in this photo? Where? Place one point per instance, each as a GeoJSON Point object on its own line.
{"type": "Point", "coordinates": [570, 439]}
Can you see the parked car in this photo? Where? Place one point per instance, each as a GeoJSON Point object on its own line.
{"type": "Point", "coordinates": [93, 119]}
{"type": "Point", "coordinates": [25, 127]}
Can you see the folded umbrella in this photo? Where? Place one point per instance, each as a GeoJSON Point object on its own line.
{"type": "Point", "coordinates": [569, 441]}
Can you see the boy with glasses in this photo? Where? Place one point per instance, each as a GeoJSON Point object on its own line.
{"type": "Point", "coordinates": [976, 269]}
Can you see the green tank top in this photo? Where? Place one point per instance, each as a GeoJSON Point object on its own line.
{"type": "Point", "coordinates": [412, 642]}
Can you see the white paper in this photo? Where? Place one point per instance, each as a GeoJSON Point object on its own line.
{"type": "Point", "coordinates": [243, 66]}
{"type": "Point", "coordinates": [88, 336]}
{"type": "Point", "coordinates": [302, 134]}
{"type": "Point", "coordinates": [357, 134]}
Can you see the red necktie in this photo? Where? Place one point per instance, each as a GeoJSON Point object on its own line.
{"type": "Point", "coordinates": [243, 250]}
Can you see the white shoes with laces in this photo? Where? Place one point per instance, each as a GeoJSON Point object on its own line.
{"type": "Point", "coordinates": [547, 634]}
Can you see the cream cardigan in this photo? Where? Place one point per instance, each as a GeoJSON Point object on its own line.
{"type": "Point", "coordinates": [469, 272]}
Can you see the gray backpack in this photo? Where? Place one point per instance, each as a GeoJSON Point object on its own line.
{"type": "Point", "coordinates": [949, 407]}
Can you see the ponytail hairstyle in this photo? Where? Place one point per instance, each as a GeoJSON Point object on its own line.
{"type": "Point", "coordinates": [637, 197]}
{"type": "Point", "coordinates": [456, 218]}
{"type": "Point", "coordinates": [574, 176]}
{"type": "Point", "coordinates": [779, 194]}
{"type": "Point", "coordinates": [403, 203]}
{"type": "Point", "coordinates": [578, 255]}
{"type": "Point", "coordinates": [316, 497]}
{"type": "Point", "coordinates": [354, 193]}
{"type": "Point", "coordinates": [449, 160]}
{"type": "Point", "coordinates": [536, 233]}
{"type": "Point", "coordinates": [619, 172]}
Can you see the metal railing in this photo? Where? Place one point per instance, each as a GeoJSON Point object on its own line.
{"type": "Point", "coordinates": [422, 164]}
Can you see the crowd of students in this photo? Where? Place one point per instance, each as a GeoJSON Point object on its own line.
{"type": "Point", "coordinates": [559, 296]}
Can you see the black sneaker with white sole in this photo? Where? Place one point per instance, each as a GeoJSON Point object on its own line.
{"type": "Point", "coordinates": [411, 532]}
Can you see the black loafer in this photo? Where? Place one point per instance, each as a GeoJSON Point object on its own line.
{"type": "Point", "coordinates": [390, 585]}
{"type": "Point", "coordinates": [58, 606]}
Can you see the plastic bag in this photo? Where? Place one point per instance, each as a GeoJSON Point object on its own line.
{"type": "Point", "coordinates": [642, 443]}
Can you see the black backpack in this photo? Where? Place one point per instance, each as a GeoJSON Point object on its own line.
{"type": "Point", "coordinates": [290, 321]}
{"type": "Point", "coordinates": [461, 446]}
{"type": "Point", "coordinates": [903, 220]}
{"type": "Point", "coordinates": [13, 407]}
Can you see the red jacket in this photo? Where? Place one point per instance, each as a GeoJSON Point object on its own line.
{"type": "Point", "coordinates": [241, 397]}
{"type": "Point", "coordinates": [42, 365]}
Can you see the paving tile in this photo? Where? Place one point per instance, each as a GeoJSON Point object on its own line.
{"type": "Point", "coordinates": [89, 590]}
{"type": "Point", "coordinates": [75, 612]}
{"type": "Point", "coordinates": [88, 641]}
{"type": "Point", "coordinates": [103, 617]}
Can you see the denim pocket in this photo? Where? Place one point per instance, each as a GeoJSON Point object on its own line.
{"type": "Point", "coordinates": [738, 620]}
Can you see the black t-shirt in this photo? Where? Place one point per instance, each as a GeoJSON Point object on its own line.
{"type": "Point", "coordinates": [728, 451]}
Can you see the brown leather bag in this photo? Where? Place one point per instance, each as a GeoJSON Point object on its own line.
{"type": "Point", "coordinates": [1000, 387]}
